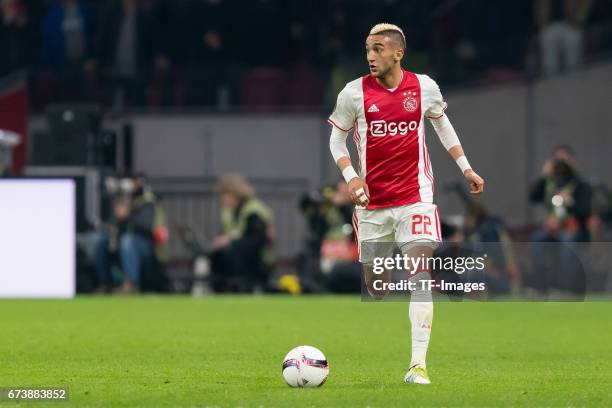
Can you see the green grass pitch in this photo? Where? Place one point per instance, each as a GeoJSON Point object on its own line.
{"type": "Point", "coordinates": [153, 351]}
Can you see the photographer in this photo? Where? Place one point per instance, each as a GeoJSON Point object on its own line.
{"type": "Point", "coordinates": [328, 260]}
{"type": "Point", "coordinates": [566, 197]}
{"type": "Point", "coordinates": [339, 253]}
{"type": "Point", "coordinates": [567, 200]}
{"type": "Point", "coordinates": [137, 235]}
{"type": "Point", "coordinates": [242, 255]}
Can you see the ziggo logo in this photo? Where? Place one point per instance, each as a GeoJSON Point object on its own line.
{"type": "Point", "coordinates": [382, 128]}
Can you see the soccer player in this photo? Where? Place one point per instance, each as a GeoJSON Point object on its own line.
{"type": "Point", "coordinates": [393, 191]}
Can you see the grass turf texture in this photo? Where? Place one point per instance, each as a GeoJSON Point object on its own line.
{"type": "Point", "coordinates": [227, 351]}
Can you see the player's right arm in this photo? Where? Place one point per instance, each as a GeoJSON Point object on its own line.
{"type": "Point", "coordinates": [342, 120]}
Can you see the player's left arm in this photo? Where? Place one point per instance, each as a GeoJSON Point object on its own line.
{"type": "Point", "coordinates": [445, 131]}
{"type": "Point", "coordinates": [451, 143]}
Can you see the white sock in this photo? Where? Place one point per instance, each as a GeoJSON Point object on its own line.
{"type": "Point", "coordinates": [420, 312]}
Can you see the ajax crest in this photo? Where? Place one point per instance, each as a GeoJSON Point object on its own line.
{"type": "Point", "coordinates": [410, 104]}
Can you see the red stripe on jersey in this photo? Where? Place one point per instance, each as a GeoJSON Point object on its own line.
{"type": "Point", "coordinates": [433, 185]}
{"type": "Point", "coordinates": [425, 162]}
{"type": "Point", "coordinates": [331, 122]}
{"type": "Point", "coordinates": [427, 167]}
{"type": "Point", "coordinates": [426, 170]}
{"type": "Point", "coordinates": [438, 224]}
{"type": "Point", "coordinates": [356, 140]}
{"type": "Point", "coordinates": [356, 230]}
{"type": "Point", "coordinates": [358, 143]}
{"type": "Point", "coordinates": [392, 141]}
{"type": "Point", "coordinates": [439, 116]}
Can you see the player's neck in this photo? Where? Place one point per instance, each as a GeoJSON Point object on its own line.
{"type": "Point", "coordinates": [393, 79]}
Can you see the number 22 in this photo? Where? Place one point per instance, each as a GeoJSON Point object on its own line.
{"type": "Point", "coordinates": [417, 221]}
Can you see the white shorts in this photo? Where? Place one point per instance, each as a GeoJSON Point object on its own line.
{"type": "Point", "coordinates": [418, 222]}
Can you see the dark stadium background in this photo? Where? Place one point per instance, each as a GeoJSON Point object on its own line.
{"type": "Point", "coordinates": [246, 86]}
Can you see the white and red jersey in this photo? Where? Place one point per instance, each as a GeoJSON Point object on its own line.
{"type": "Point", "coordinates": [389, 132]}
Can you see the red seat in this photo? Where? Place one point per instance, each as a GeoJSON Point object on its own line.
{"type": "Point", "coordinates": [263, 87]}
{"type": "Point", "coordinates": [303, 87]}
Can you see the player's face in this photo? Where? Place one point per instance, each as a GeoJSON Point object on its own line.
{"type": "Point", "coordinates": [382, 54]}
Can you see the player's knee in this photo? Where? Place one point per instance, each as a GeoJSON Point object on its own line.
{"type": "Point", "coordinates": [376, 284]}
{"type": "Point", "coordinates": [419, 254]}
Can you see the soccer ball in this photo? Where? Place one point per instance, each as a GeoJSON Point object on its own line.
{"type": "Point", "coordinates": [305, 366]}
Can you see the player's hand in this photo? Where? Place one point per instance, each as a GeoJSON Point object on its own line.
{"type": "Point", "coordinates": [476, 182]}
{"type": "Point", "coordinates": [360, 194]}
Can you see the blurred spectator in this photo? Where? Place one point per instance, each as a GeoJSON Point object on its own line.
{"type": "Point", "coordinates": [567, 200]}
{"type": "Point", "coordinates": [454, 247]}
{"type": "Point", "coordinates": [242, 255]}
{"type": "Point", "coordinates": [339, 253]}
{"type": "Point", "coordinates": [337, 35]}
{"type": "Point", "coordinates": [482, 228]}
{"type": "Point", "coordinates": [137, 235]}
{"type": "Point", "coordinates": [201, 52]}
{"type": "Point", "coordinates": [15, 36]}
{"type": "Point", "coordinates": [303, 41]}
{"type": "Point", "coordinates": [130, 48]}
{"type": "Point", "coordinates": [212, 32]}
{"type": "Point", "coordinates": [560, 24]}
{"type": "Point", "coordinates": [314, 206]}
{"type": "Point", "coordinates": [338, 243]}
{"type": "Point", "coordinates": [300, 42]}
{"type": "Point", "coordinates": [67, 47]}
{"type": "Point", "coordinates": [68, 29]}
{"type": "Point", "coordinates": [328, 259]}
{"type": "Point", "coordinates": [209, 36]}
{"type": "Point", "coordinates": [343, 205]}
{"type": "Point", "coordinates": [566, 197]}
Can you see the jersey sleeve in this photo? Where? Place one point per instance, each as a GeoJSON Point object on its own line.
{"type": "Point", "coordinates": [344, 114]}
{"type": "Point", "coordinates": [433, 101]}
